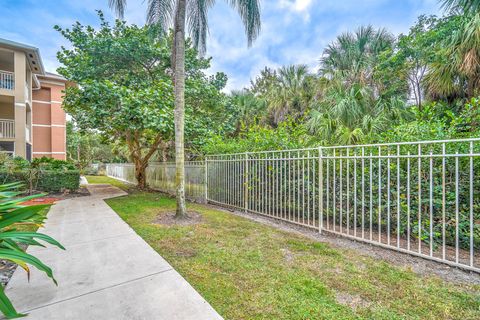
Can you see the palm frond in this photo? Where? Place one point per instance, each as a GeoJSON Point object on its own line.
{"type": "Point", "coordinates": [250, 13]}
{"type": "Point", "coordinates": [464, 5]}
{"type": "Point", "coordinates": [161, 12]}
{"type": "Point", "coordinates": [118, 6]}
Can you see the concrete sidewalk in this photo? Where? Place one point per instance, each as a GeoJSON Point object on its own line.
{"type": "Point", "coordinates": [107, 271]}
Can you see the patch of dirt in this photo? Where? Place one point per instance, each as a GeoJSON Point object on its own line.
{"type": "Point", "coordinates": [423, 267]}
{"type": "Point", "coordinates": [169, 219]}
{"type": "Point", "coordinates": [186, 253]}
{"type": "Point", "coordinates": [288, 255]}
{"type": "Point", "coordinates": [81, 192]}
{"type": "Point", "coordinates": [352, 301]}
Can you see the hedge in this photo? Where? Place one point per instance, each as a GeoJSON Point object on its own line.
{"type": "Point", "coordinates": [45, 180]}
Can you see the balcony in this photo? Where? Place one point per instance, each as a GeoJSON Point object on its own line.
{"type": "Point", "coordinates": [7, 129]}
{"type": "Point", "coordinates": [7, 80]}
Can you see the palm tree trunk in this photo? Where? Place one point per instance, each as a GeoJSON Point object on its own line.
{"type": "Point", "coordinates": [179, 51]}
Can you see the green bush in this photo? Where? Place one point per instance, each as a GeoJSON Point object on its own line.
{"type": "Point", "coordinates": [52, 164]}
{"type": "Point", "coordinates": [56, 181]}
{"type": "Point", "coordinates": [44, 180]}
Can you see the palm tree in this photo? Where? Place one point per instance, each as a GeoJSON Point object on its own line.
{"type": "Point", "coordinates": [349, 115]}
{"type": "Point", "coordinates": [353, 56]}
{"type": "Point", "coordinates": [455, 73]}
{"type": "Point", "coordinates": [193, 15]}
{"type": "Point", "coordinates": [292, 93]}
{"type": "Point", "coordinates": [248, 109]}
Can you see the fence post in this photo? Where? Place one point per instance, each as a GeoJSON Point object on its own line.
{"type": "Point", "coordinates": [320, 189]}
{"type": "Point", "coordinates": [206, 178]}
{"type": "Point", "coordinates": [246, 182]}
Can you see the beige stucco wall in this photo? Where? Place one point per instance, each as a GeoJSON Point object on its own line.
{"type": "Point", "coordinates": [20, 66]}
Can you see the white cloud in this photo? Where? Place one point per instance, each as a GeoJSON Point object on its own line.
{"type": "Point", "coordinates": [296, 5]}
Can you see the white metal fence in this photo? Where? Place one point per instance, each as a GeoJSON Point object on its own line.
{"type": "Point", "coordinates": [420, 198]}
{"type": "Point", "coordinates": [161, 176]}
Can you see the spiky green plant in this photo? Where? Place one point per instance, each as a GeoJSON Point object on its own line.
{"type": "Point", "coordinates": [13, 242]}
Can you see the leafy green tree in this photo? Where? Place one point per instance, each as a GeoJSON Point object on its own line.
{"type": "Point", "coordinates": [194, 17]}
{"type": "Point", "coordinates": [264, 82]}
{"type": "Point", "coordinates": [124, 86]}
{"type": "Point", "coordinates": [414, 53]}
{"type": "Point", "coordinates": [88, 146]}
{"type": "Point", "coordinates": [125, 89]}
{"type": "Point", "coordinates": [287, 135]}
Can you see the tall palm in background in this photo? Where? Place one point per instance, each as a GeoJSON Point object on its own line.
{"type": "Point", "coordinates": [353, 56]}
{"type": "Point", "coordinates": [248, 110]}
{"type": "Point", "coordinates": [292, 92]}
{"type": "Point", "coordinates": [349, 115]}
{"type": "Point", "coordinates": [191, 15]}
{"type": "Point", "coordinates": [456, 71]}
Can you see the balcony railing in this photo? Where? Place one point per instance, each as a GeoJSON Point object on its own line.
{"type": "Point", "coordinates": [7, 80]}
{"type": "Point", "coordinates": [7, 129]}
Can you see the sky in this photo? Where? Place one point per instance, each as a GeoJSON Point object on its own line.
{"type": "Point", "coordinates": [293, 31]}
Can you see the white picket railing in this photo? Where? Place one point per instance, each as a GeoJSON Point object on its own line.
{"type": "Point", "coordinates": [7, 80]}
{"type": "Point", "coordinates": [420, 198]}
{"type": "Point", "coordinates": [7, 129]}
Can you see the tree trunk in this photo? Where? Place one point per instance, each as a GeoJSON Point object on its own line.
{"type": "Point", "coordinates": [140, 175]}
{"type": "Point", "coordinates": [419, 93]}
{"type": "Point", "coordinates": [179, 51]}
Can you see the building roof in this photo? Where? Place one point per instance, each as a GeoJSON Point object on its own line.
{"type": "Point", "coordinates": [52, 76]}
{"type": "Point", "coordinates": [33, 54]}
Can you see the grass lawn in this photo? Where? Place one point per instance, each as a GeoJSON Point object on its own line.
{"type": "Point", "coordinates": [247, 270]}
{"type": "Point", "coordinates": [105, 179]}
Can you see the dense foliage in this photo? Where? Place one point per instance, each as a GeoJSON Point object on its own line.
{"type": "Point", "coordinates": [42, 174]}
{"type": "Point", "coordinates": [85, 147]}
{"type": "Point", "coordinates": [371, 87]}
{"type": "Point", "coordinates": [125, 88]}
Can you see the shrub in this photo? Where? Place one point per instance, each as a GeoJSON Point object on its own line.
{"type": "Point", "coordinates": [42, 174]}
{"type": "Point", "coordinates": [56, 181]}
{"type": "Point", "coordinates": [44, 180]}
{"type": "Point", "coordinates": [52, 164]}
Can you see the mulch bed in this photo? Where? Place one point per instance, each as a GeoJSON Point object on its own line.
{"type": "Point", "coordinates": [42, 200]}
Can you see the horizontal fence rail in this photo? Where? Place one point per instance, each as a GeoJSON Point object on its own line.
{"type": "Point", "coordinates": [420, 198]}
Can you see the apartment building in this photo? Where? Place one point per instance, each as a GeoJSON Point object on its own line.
{"type": "Point", "coordinates": [32, 122]}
